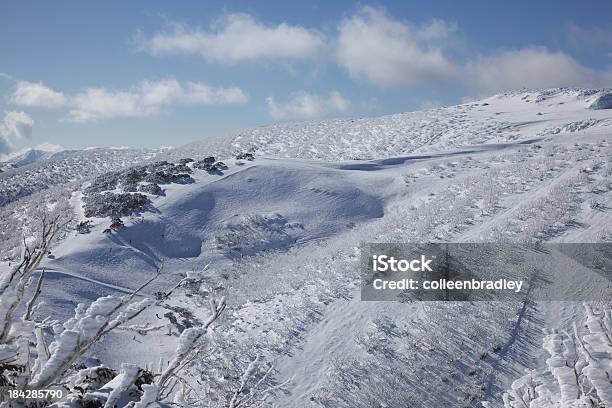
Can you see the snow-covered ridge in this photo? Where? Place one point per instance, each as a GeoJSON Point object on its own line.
{"type": "Point", "coordinates": [50, 169]}
{"type": "Point", "coordinates": [29, 156]}
{"type": "Point", "coordinates": [490, 120]}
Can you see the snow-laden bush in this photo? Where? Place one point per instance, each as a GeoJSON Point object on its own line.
{"type": "Point", "coordinates": [251, 234]}
{"type": "Point", "coordinates": [161, 172]}
{"type": "Point", "coordinates": [245, 156]}
{"type": "Point", "coordinates": [210, 165]}
{"type": "Point", "coordinates": [578, 372]}
{"type": "Point", "coordinates": [150, 188]}
{"type": "Point", "coordinates": [22, 218]}
{"type": "Point", "coordinates": [84, 227]}
{"type": "Point", "coordinates": [120, 193]}
{"type": "Point", "coordinates": [113, 205]}
{"type": "Point", "coordinates": [205, 163]}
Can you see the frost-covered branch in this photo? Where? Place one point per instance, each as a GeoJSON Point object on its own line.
{"type": "Point", "coordinates": [87, 328]}
{"type": "Point", "coordinates": [14, 284]}
{"type": "Point", "coordinates": [126, 378]}
{"type": "Point", "coordinates": [188, 342]}
{"type": "Point", "coordinates": [257, 393]}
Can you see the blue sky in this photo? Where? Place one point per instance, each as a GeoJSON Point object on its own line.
{"type": "Point", "coordinates": [152, 73]}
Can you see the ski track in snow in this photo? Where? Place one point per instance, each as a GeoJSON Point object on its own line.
{"type": "Point", "coordinates": [88, 280]}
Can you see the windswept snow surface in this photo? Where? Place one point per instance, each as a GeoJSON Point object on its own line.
{"type": "Point", "coordinates": [502, 118]}
{"type": "Point", "coordinates": [281, 235]}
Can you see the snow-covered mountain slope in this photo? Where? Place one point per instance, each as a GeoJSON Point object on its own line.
{"type": "Point", "coordinates": [282, 233]}
{"type": "Point", "coordinates": [501, 118]}
{"type": "Point", "coordinates": [45, 170]}
{"type": "Point", "coordinates": [29, 156]}
{"type": "Point", "coordinates": [50, 180]}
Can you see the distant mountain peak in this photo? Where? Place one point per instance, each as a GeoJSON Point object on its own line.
{"type": "Point", "coordinates": [31, 155]}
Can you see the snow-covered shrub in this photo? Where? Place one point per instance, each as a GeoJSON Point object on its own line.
{"type": "Point", "coordinates": [161, 172]}
{"type": "Point", "coordinates": [234, 373]}
{"type": "Point", "coordinates": [210, 165]}
{"type": "Point", "coordinates": [115, 193]}
{"type": "Point", "coordinates": [84, 227]}
{"type": "Point", "coordinates": [205, 163]}
{"type": "Point", "coordinates": [245, 156]}
{"type": "Point", "coordinates": [164, 177]}
{"type": "Point", "coordinates": [251, 234]}
{"type": "Point", "coordinates": [116, 224]}
{"type": "Point", "coordinates": [150, 188]}
{"type": "Point", "coordinates": [578, 372]}
{"type": "Point", "coordinates": [113, 205]}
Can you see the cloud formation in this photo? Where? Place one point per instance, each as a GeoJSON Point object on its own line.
{"type": "Point", "coordinates": [531, 67]}
{"type": "Point", "coordinates": [145, 99]}
{"type": "Point", "coordinates": [373, 46]}
{"type": "Point", "coordinates": [386, 52]}
{"type": "Point", "coordinates": [590, 37]}
{"type": "Point", "coordinates": [237, 37]}
{"type": "Point", "coordinates": [37, 95]}
{"type": "Point", "coordinates": [305, 105]}
{"type": "Point", "coordinates": [16, 125]}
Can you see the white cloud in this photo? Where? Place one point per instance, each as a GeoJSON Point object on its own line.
{"type": "Point", "coordinates": [236, 37]}
{"type": "Point", "coordinates": [531, 67]}
{"type": "Point", "coordinates": [304, 105]}
{"type": "Point", "coordinates": [158, 93]}
{"type": "Point", "coordinates": [15, 125]}
{"type": "Point", "coordinates": [388, 52]}
{"type": "Point", "coordinates": [147, 99]}
{"type": "Point", "coordinates": [590, 37]}
{"type": "Point", "coordinates": [199, 93]}
{"type": "Point", "coordinates": [99, 103]}
{"type": "Point", "coordinates": [33, 94]}
{"type": "Point", "coordinates": [5, 147]}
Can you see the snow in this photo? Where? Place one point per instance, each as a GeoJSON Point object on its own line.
{"type": "Point", "coordinates": [149, 397]}
{"type": "Point", "coordinates": [281, 235]}
{"type": "Point", "coordinates": [603, 101]}
{"type": "Point", "coordinates": [127, 377]}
